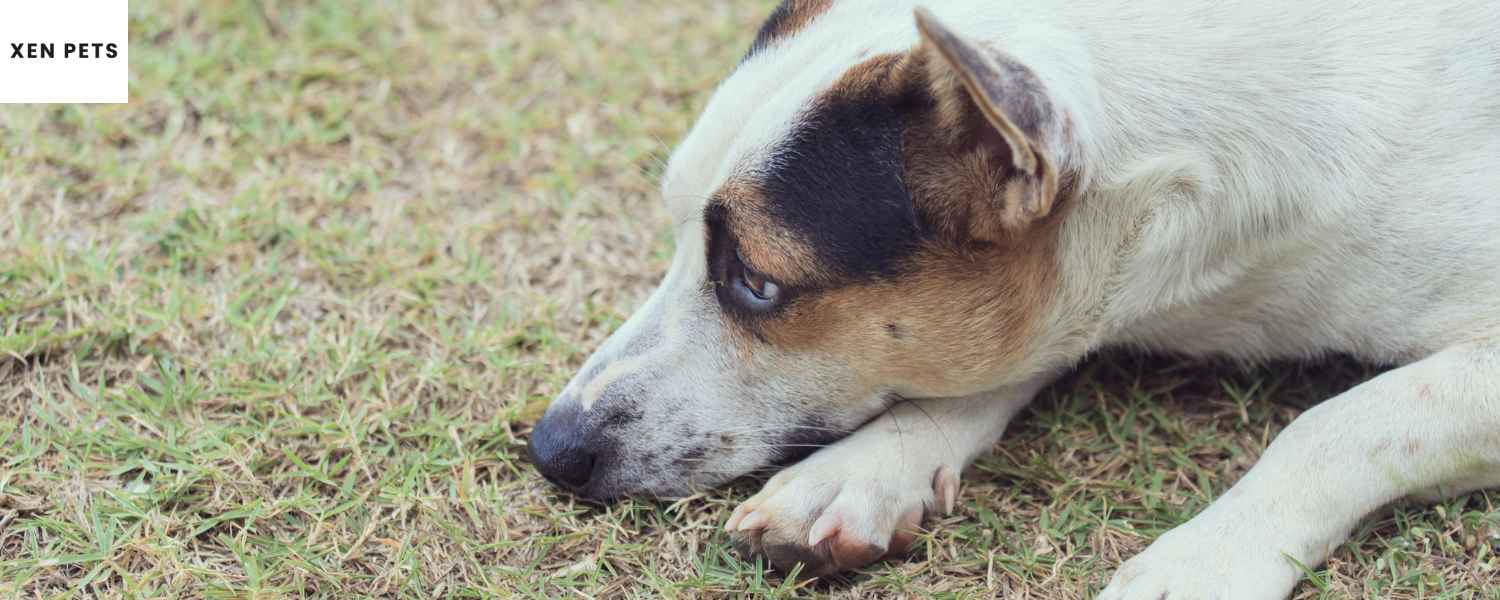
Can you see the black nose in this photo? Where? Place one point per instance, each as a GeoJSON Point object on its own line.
{"type": "Point", "coordinates": [559, 449]}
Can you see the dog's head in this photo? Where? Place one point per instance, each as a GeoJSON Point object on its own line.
{"type": "Point", "coordinates": [861, 214]}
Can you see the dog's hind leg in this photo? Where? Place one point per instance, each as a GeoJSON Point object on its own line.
{"type": "Point", "coordinates": [861, 498]}
{"type": "Point", "coordinates": [1431, 428]}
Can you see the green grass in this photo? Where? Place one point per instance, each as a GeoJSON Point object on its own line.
{"type": "Point", "coordinates": [278, 328]}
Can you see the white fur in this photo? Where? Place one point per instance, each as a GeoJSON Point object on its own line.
{"type": "Point", "coordinates": [1259, 180]}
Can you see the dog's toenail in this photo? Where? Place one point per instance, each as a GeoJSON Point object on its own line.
{"type": "Point", "coordinates": [755, 520]}
{"type": "Point", "coordinates": [945, 488]}
{"type": "Point", "coordinates": [827, 525]}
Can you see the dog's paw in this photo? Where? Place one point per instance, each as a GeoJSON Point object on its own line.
{"type": "Point", "coordinates": [840, 509]}
{"type": "Point", "coordinates": [1197, 562]}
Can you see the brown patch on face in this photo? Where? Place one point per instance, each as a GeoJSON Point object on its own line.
{"type": "Point", "coordinates": [774, 250]}
{"type": "Point", "coordinates": [968, 301]}
{"type": "Point", "coordinates": [960, 316]}
{"type": "Point", "coordinates": [789, 17]}
{"type": "Point", "coordinates": [882, 75]}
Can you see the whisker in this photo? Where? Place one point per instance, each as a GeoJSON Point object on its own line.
{"type": "Point", "coordinates": [743, 447]}
{"type": "Point", "coordinates": [778, 429]}
{"type": "Point", "coordinates": [773, 446]}
{"type": "Point", "coordinates": [737, 473]}
{"type": "Point", "coordinates": [935, 425]}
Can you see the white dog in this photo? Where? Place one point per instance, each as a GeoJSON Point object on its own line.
{"type": "Point", "coordinates": [895, 224]}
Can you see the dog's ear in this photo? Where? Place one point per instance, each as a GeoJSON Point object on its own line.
{"type": "Point", "coordinates": [994, 112]}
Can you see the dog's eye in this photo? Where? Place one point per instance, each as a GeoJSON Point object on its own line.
{"type": "Point", "coordinates": [751, 287]}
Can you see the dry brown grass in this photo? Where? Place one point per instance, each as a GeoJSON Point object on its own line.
{"type": "Point", "coordinates": [278, 328]}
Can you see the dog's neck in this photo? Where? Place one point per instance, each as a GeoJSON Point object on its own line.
{"type": "Point", "coordinates": [1190, 176]}
{"type": "Point", "coordinates": [1226, 154]}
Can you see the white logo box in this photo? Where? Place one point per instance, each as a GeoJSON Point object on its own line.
{"type": "Point", "coordinates": [65, 51]}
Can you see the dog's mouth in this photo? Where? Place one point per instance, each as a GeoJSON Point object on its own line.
{"type": "Point", "coordinates": [602, 460]}
{"type": "Point", "coordinates": [802, 445]}
{"type": "Point", "coordinates": [817, 433]}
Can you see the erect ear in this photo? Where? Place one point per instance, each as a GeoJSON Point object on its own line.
{"type": "Point", "coordinates": [989, 98]}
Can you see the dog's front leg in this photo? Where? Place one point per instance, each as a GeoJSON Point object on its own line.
{"type": "Point", "coordinates": [1429, 429]}
{"type": "Point", "coordinates": [861, 498]}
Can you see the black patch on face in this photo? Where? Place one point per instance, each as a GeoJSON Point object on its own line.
{"type": "Point", "coordinates": [894, 331]}
{"type": "Point", "coordinates": [837, 182]}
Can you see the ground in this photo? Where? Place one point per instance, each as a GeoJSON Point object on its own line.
{"type": "Point", "coordinates": [280, 326]}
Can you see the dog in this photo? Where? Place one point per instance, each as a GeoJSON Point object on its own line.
{"type": "Point", "coordinates": [897, 223]}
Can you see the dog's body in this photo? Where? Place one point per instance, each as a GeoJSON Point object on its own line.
{"type": "Point", "coordinates": [960, 210]}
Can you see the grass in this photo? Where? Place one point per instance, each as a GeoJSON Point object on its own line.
{"type": "Point", "coordinates": [278, 328]}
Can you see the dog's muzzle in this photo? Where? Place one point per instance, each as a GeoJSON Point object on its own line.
{"type": "Point", "coordinates": [571, 450]}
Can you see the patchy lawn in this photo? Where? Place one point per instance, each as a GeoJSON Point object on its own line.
{"type": "Point", "coordinates": [279, 327]}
